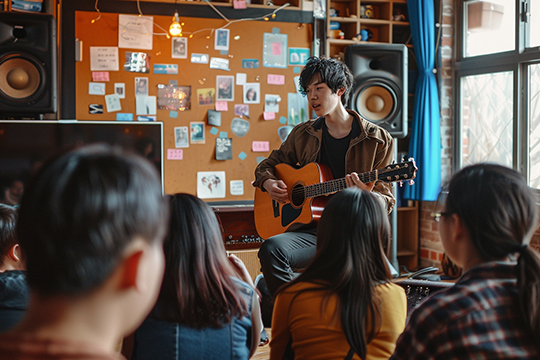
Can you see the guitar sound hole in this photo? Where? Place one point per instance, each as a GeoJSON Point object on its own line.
{"type": "Point", "coordinates": [297, 196]}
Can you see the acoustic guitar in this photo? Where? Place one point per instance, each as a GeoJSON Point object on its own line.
{"type": "Point", "coordinates": [308, 196]}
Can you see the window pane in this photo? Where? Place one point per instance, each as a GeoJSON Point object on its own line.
{"type": "Point", "coordinates": [534, 126]}
{"type": "Point", "coordinates": [490, 27]}
{"type": "Point", "coordinates": [487, 117]}
{"type": "Point", "coordinates": [534, 24]}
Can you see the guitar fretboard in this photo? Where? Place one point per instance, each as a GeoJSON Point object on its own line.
{"type": "Point", "coordinates": [332, 186]}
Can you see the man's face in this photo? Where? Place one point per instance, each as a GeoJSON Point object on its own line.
{"type": "Point", "coordinates": [320, 97]}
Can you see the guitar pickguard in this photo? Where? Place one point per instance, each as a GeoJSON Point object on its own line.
{"type": "Point", "coordinates": [289, 214]}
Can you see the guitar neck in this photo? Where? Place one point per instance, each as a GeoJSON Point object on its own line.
{"type": "Point", "coordinates": [333, 186]}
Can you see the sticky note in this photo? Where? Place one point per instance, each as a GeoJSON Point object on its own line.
{"type": "Point", "coordinates": [221, 106]}
{"type": "Point", "coordinates": [242, 155]}
{"type": "Point", "coordinates": [100, 76]}
{"type": "Point", "coordinates": [175, 154]}
{"type": "Point", "coordinates": [237, 187]}
{"type": "Point", "coordinates": [173, 82]}
{"type": "Point", "coordinates": [269, 115]}
{"type": "Point", "coordinates": [240, 79]}
{"type": "Point", "coordinates": [260, 146]}
{"type": "Point", "coordinates": [276, 48]}
{"type": "Point", "coordinates": [214, 131]}
{"type": "Point", "coordinates": [283, 120]}
{"type": "Point", "coordinates": [259, 159]}
{"type": "Point", "coordinates": [240, 4]}
{"type": "Point", "coordinates": [223, 134]}
{"type": "Point", "coordinates": [173, 114]}
{"type": "Point", "coordinates": [297, 70]}
{"type": "Point", "coordinates": [275, 30]}
{"type": "Point", "coordinates": [124, 117]}
{"type": "Point", "coordinates": [224, 52]}
{"type": "Point", "coordinates": [276, 79]}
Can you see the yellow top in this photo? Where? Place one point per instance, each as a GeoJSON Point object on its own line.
{"type": "Point", "coordinates": [317, 333]}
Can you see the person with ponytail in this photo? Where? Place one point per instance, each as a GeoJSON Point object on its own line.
{"type": "Point", "coordinates": [486, 220]}
{"type": "Point", "coordinates": [343, 306]}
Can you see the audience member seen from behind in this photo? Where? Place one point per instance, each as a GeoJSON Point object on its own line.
{"type": "Point", "coordinates": [343, 305]}
{"type": "Point", "coordinates": [493, 311]}
{"type": "Point", "coordinates": [91, 225]}
{"type": "Point", "coordinates": [10, 191]}
{"type": "Point", "coordinates": [207, 308]}
{"type": "Point", "coordinates": [13, 291]}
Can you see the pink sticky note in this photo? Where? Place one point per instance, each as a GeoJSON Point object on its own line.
{"type": "Point", "coordinates": [269, 115]}
{"type": "Point", "coordinates": [276, 79]}
{"type": "Point", "coordinates": [175, 154]}
{"type": "Point", "coordinates": [240, 4]}
{"type": "Point", "coordinates": [260, 146]}
{"type": "Point", "coordinates": [100, 76]}
{"type": "Point", "coordinates": [221, 106]}
{"type": "Point", "coordinates": [276, 48]}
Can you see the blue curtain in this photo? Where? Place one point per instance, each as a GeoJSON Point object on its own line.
{"type": "Point", "coordinates": [425, 142]}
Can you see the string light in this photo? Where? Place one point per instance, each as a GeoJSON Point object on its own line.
{"type": "Point", "coordinates": [175, 29]}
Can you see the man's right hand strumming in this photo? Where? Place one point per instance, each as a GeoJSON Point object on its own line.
{"type": "Point", "coordinates": [277, 190]}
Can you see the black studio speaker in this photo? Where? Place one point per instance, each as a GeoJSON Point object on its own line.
{"type": "Point", "coordinates": [27, 64]}
{"type": "Point", "coordinates": [380, 84]}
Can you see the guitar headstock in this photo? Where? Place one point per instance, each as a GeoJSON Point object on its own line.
{"type": "Point", "coordinates": [403, 171]}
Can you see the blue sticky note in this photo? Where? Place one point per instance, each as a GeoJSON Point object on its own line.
{"type": "Point", "coordinates": [173, 82]}
{"type": "Point", "coordinates": [224, 52]}
{"type": "Point", "coordinates": [259, 159]}
{"type": "Point", "coordinates": [242, 155]}
{"type": "Point", "coordinates": [173, 114]}
{"type": "Point", "coordinates": [223, 134]}
{"type": "Point", "coordinates": [283, 120]}
{"type": "Point", "coordinates": [124, 117]}
{"type": "Point", "coordinates": [297, 70]}
{"type": "Point", "coordinates": [275, 30]}
{"type": "Point", "coordinates": [214, 131]}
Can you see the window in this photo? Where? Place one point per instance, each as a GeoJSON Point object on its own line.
{"type": "Point", "coordinates": [498, 85]}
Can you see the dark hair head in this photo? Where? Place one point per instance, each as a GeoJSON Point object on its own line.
{"type": "Point", "coordinates": [333, 73]}
{"type": "Point", "coordinates": [500, 212]}
{"type": "Point", "coordinates": [79, 213]}
{"type": "Point", "coordinates": [197, 288]}
{"type": "Point", "coordinates": [350, 260]}
{"type": "Point", "coordinates": [8, 219]}
{"type": "Point", "coordinates": [497, 207]}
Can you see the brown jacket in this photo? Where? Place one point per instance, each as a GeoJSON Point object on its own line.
{"type": "Point", "coordinates": [372, 149]}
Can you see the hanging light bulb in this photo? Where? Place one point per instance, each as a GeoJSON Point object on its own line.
{"type": "Point", "coordinates": [175, 29]}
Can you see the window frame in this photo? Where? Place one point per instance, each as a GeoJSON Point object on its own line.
{"type": "Point", "coordinates": [517, 62]}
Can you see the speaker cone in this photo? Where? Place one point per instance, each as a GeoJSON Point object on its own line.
{"type": "Point", "coordinates": [376, 101]}
{"type": "Point", "coordinates": [21, 77]}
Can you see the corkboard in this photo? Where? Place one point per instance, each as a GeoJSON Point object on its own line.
{"type": "Point", "coordinates": [181, 175]}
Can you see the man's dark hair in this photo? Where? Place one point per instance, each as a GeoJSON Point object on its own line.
{"type": "Point", "coordinates": [8, 219]}
{"type": "Point", "coordinates": [79, 213]}
{"type": "Point", "coordinates": [333, 73]}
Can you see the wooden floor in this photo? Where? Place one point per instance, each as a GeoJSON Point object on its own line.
{"type": "Point", "coordinates": [263, 352]}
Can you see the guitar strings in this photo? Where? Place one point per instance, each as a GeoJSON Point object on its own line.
{"type": "Point", "coordinates": [328, 185]}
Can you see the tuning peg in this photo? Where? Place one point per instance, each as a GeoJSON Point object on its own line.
{"type": "Point", "coordinates": [401, 184]}
{"type": "Point", "coordinates": [411, 182]}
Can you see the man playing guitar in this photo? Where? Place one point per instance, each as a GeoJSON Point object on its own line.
{"type": "Point", "coordinates": [338, 138]}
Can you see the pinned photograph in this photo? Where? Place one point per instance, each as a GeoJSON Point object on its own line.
{"type": "Point", "coordinates": [179, 48]}
{"type": "Point", "coordinates": [181, 138]}
{"type": "Point", "coordinates": [241, 110]}
{"type": "Point", "coordinates": [214, 118]}
{"type": "Point", "coordinates": [225, 88]}
{"type": "Point", "coordinates": [197, 132]}
{"type": "Point", "coordinates": [223, 148]}
{"type": "Point", "coordinates": [174, 97]}
{"type": "Point", "coordinates": [211, 184]}
{"type": "Point", "coordinates": [271, 103]}
{"type": "Point", "coordinates": [222, 39]}
{"type": "Point", "coordinates": [137, 62]}
{"type": "Point", "coordinates": [239, 127]}
{"type": "Point", "coordinates": [252, 93]}
{"type": "Point", "coordinates": [141, 86]}
{"type": "Point", "coordinates": [120, 90]}
{"type": "Point", "coordinates": [206, 96]}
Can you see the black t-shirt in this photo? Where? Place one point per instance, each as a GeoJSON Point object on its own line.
{"type": "Point", "coordinates": [334, 151]}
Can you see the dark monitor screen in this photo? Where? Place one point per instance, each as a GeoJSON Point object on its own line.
{"type": "Point", "coordinates": [24, 145]}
